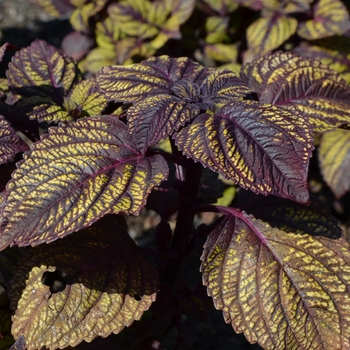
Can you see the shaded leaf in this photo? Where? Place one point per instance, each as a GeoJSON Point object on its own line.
{"type": "Point", "coordinates": [263, 148]}
{"type": "Point", "coordinates": [6, 338]}
{"type": "Point", "coordinates": [221, 52]}
{"type": "Point", "coordinates": [107, 284]}
{"type": "Point", "coordinates": [80, 172]}
{"type": "Point", "coordinates": [10, 142]}
{"type": "Point", "coordinates": [20, 344]}
{"type": "Point", "coordinates": [266, 34]}
{"type": "Point", "coordinates": [282, 290]}
{"type": "Point", "coordinates": [330, 18]}
{"type": "Point", "coordinates": [153, 76]}
{"type": "Point", "coordinates": [334, 158]}
{"type": "Point", "coordinates": [290, 81]}
{"type": "Point", "coordinates": [222, 7]}
{"type": "Point", "coordinates": [314, 219]}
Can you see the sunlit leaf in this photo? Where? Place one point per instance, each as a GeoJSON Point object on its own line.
{"type": "Point", "coordinates": [330, 18]}
{"type": "Point", "coordinates": [266, 34]}
{"type": "Point", "coordinates": [80, 172]}
{"type": "Point", "coordinates": [263, 148]}
{"type": "Point", "coordinates": [41, 64]}
{"type": "Point", "coordinates": [216, 28]}
{"type": "Point", "coordinates": [282, 290]}
{"type": "Point", "coordinates": [334, 158]}
{"type": "Point", "coordinates": [221, 52]}
{"type": "Point", "coordinates": [10, 142]}
{"type": "Point", "coordinates": [290, 81]}
{"type": "Point", "coordinates": [93, 283]}
{"type": "Point", "coordinates": [153, 76]}
{"type": "Point", "coordinates": [84, 100]}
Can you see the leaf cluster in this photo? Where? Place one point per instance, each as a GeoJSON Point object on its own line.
{"type": "Point", "coordinates": [81, 153]}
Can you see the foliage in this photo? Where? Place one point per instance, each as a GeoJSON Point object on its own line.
{"type": "Point", "coordinates": [252, 114]}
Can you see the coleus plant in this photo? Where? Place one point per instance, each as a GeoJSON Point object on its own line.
{"type": "Point", "coordinates": [275, 261]}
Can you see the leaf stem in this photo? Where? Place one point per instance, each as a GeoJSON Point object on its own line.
{"type": "Point", "coordinates": [182, 232]}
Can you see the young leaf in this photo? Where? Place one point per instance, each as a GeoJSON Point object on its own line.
{"type": "Point", "coordinates": [157, 117]}
{"type": "Point", "coordinates": [151, 77]}
{"type": "Point", "coordinates": [80, 172]}
{"type": "Point", "coordinates": [249, 144]}
{"type": "Point", "coordinates": [330, 18]}
{"type": "Point", "coordinates": [267, 33]}
{"type": "Point", "coordinates": [290, 81]}
{"type": "Point", "coordinates": [10, 142]}
{"type": "Point", "coordinates": [282, 290]}
{"type": "Point", "coordinates": [334, 158]}
{"type": "Point", "coordinates": [93, 283]}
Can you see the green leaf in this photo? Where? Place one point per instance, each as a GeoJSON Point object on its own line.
{"type": "Point", "coordinates": [80, 172]}
{"type": "Point", "coordinates": [10, 142]}
{"type": "Point", "coordinates": [290, 81]}
{"type": "Point", "coordinates": [334, 158]}
{"type": "Point", "coordinates": [93, 283]}
{"type": "Point", "coordinates": [282, 290]}
{"type": "Point", "coordinates": [330, 18]}
{"type": "Point", "coordinates": [56, 8]}
{"type": "Point", "coordinates": [249, 144]}
{"type": "Point", "coordinates": [266, 34]}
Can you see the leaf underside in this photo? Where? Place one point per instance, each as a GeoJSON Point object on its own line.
{"type": "Point", "coordinates": [282, 290]}
{"type": "Point", "coordinates": [74, 176]}
{"type": "Point", "coordinates": [108, 284]}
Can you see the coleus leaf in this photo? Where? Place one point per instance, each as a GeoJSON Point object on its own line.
{"type": "Point", "coordinates": [290, 81]}
{"type": "Point", "coordinates": [222, 7]}
{"type": "Point", "coordinates": [41, 64]}
{"type": "Point", "coordinates": [93, 283]}
{"type": "Point", "coordinates": [330, 18]}
{"type": "Point", "coordinates": [334, 158]}
{"type": "Point", "coordinates": [334, 59]}
{"type": "Point", "coordinates": [10, 142]}
{"type": "Point", "coordinates": [267, 33]}
{"type": "Point", "coordinates": [79, 19]}
{"type": "Point", "coordinates": [56, 8]}
{"type": "Point", "coordinates": [249, 143]}
{"type": "Point", "coordinates": [271, 284]}
{"type": "Point", "coordinates": [289, 216]}
{"type": "Point", "coordinates": [154, 76]}
{"type": "Point", "coordinates": [157, 117]}
{"type": "Point", "coordinates": [80, 172]}
{"type": "Point", "coordinates": [83, 100]}
{"type": "Point", "coordinates": [2, 51]}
